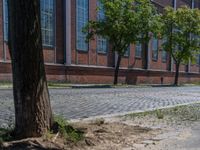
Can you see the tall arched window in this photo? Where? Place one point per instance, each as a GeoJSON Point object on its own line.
{"type": "Point", "coordinates": [5, 19]}
{"type": "Point", "coordinates": [155, 49]}
{"type": "Point", "coordinates": [82, 17]}
{"type": "Point", "coordinates": [102, 43]}
{"type": "Point", "coordinates": [47, 21]}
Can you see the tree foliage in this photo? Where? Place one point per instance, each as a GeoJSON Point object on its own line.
{"type": "Point", "coordinates": [125, 22]}
{"type": "Point", "coordinates": [181, 30]}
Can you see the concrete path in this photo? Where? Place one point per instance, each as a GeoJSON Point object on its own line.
{"type": "Point", "coordinates": [83, 103]}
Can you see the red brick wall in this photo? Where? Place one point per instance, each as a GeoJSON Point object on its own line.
{"type": "Point", "coordinates": [49, 55]}
{"type": "Point", "coordinates": [102, 59]}
{"type": "Point", "coordinates": [195, 68]}
{"type": "Point", "coordinates": [82, 58]}
{"type": "Point", "coordinates": [76, 74]}
{"type": "Point", "coordinates": [133, 61]}
{"type": "Point", "coordinates": [183, 68]}
{"type": "Point", "coordinates": [125, 61]}
{"type": "Point", "coordinates": [157, 64]}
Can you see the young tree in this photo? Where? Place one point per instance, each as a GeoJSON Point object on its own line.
{"type": "Point", "coordinates": [33, 116]}
{"type": "Point", "coordinates": [125, 22]}
{"type": "Point", "coordinates": [181, 29]}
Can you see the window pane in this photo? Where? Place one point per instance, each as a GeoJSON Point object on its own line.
{"type": "Point", "coordinates": [164, 53]}
{"type": "Point", "coordinates": [101, 12]}
{"type": "Point", "coordinates": [164, 56]}
{"type": "Point", "coordinates": [101, 42]}
{"type": "Point", "coordinates": [82, 17]}
{"type": "Point", "coordinates": [155, 49]}
{"type": "Point", "coordinates": [47, 21]}
{"type": "Point", "coordinates": [138, 49]}
{"type": "Point", "coordinates": [127, 52]}
{"type": "Point", "coordinates": [5, 18]}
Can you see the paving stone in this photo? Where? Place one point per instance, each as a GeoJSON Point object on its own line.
{"type": "Point", "coordinates": [82, 103]}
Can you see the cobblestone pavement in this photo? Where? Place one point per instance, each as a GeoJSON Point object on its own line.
{"type": "Point", "coordinates": [83, 103]}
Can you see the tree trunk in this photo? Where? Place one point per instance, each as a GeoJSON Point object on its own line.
{"type": "Point", "coordinates": [117, 70]}
{"type": "Point", "coordinates": [169, 63]}
{"type": "Point", "coordinates": [145, 55]}
{"type": "Point", "coordinates": [177, 74]}
{"type": "Point", "coordinates": [33, 116]}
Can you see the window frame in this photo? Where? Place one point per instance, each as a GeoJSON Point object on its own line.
{"type": "Point", "coordinates": [5, 21]}
{"type": "Point", "coordinates": [127, 52]}
{"type": "Point", "coordinates": [101, 48]}
{"type": "Point", "coordinates": [53, 30]}
{"type": "Point", "coordinates": [164, 59]}
{"type": "Point", "coordinates": [136, 48]}
{"type": "Point", "coordinates": [157, 49]}
{"type": "Point", "coordinates": [82, 35]}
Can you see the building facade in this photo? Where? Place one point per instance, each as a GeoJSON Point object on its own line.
{"type": "Point", "coordinates": [69, 58]}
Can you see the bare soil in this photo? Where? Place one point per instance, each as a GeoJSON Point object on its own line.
{"type": "Point", "coordinates": [109, 135]}
{"type": "Point", "coordinates": [175, 128]}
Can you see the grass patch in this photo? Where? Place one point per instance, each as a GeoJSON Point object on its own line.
{"type": "Point", "coordinates": [179, 113]}
{"type": "Point", "coordinates": [6, 84]}
{"type": "Point", "coordinates": [159, 114]}
{"type": "Point", "coordinates": [66, 130]}
{"type": "Point", "coordinates": [140, 114]}
{"type": "Point", "coordinates": [58, 85]}
{"type": "Point", "coordinates": [196, 83]}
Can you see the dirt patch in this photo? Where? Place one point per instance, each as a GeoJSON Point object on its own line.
{"type": "Point", "coordinates": [108, 135]}
{"type": "Point", "coordinates": [166, 129]}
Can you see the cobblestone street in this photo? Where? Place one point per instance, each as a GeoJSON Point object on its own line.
{"type": "Point", "coordinates": [83, 103]}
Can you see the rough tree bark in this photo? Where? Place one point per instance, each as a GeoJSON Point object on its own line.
{"type": "Point", "coordinates": [117, 69]}
{"type": "Point", "coordinates": [33, 116]}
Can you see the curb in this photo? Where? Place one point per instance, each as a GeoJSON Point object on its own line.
{"type": "Point", "coordinates": [130, 112]}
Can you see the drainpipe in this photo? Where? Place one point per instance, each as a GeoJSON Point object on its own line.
{"type": "Point", "coordinates": [67, 32]}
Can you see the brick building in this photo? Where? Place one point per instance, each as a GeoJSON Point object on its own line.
{"type": "Point", "coordinates": [69, 58]}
